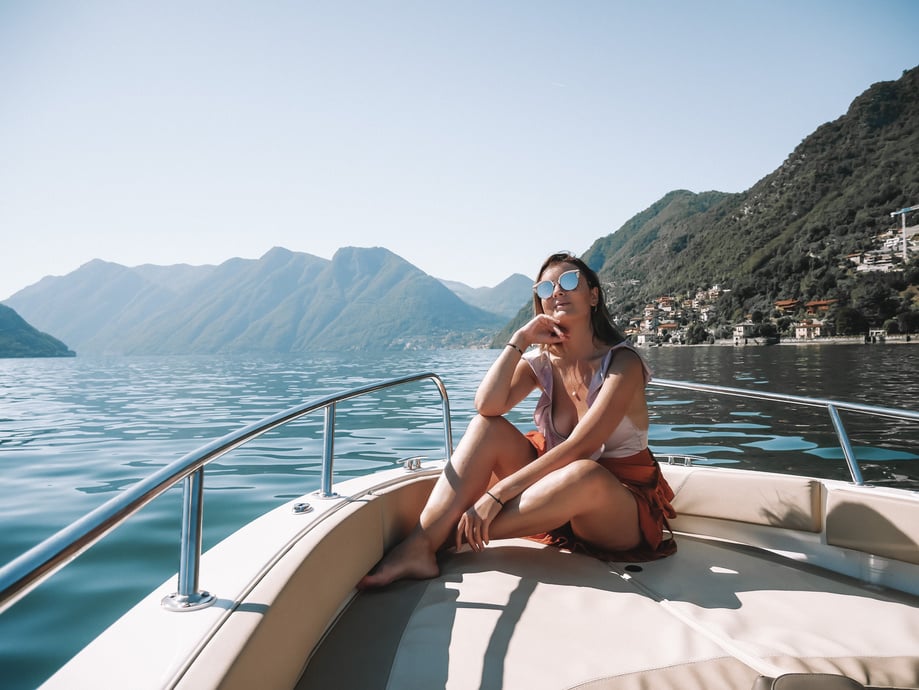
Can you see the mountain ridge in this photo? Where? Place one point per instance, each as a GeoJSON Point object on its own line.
{"type": "Point", "coordinates": [285, 301]}
{"type": "Point", "coordinates": [829, 198]}
{"type": "Point", "coordinates": [504, 298]}
{"type": "Point", "coordinates": [789, 236]}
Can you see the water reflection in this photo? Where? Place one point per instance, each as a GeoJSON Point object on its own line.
{"type": "Point", "coordinates": [787, 438]}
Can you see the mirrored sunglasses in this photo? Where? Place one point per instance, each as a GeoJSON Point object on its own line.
{"type": "Point", "coordinates": [566, 281]}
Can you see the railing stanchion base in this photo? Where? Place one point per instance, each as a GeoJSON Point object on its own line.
{"type": "Point", "coordinates": [194, 602]}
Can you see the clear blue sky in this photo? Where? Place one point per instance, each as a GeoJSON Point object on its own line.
{"type": "Point", "coordinates": [470, 137]}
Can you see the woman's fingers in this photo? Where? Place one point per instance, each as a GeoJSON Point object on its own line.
{"type": "Point", "coordinates": [461, 531]}
{"type": "Point", "coordinates": [469, 531]}
{"type": "Point", "coordinates": [476, 532]}
{"type": "Point", "coordinates": [546, 329]}
{"type": "Point", "coordinates": [482, 533]}
{"type": "Point", "coordinates": [473, 529]}
{"type": "Point", "coordinates": [466, 529]}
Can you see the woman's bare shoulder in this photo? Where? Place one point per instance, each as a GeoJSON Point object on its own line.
{"type": "Point", "coordinates": [624, 361]}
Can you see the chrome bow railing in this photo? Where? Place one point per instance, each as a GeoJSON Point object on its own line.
{"type": "Point", "coordinates": [831, 406]}
{"type": "Point", "coordinates": [27, 571]}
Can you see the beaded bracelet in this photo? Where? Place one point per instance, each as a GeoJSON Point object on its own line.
{"type": "Point", "coordinates": [515, 347]}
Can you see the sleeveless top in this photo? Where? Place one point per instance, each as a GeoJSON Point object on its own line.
{"type": "Point", "coordinates": [626, 439]}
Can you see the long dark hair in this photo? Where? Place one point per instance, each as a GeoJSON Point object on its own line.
{"type": "Point", "coordinates": [601, 322]}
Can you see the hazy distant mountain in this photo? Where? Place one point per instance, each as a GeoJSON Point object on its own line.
{"type": "Point", "coordinates": [504, 299]}
{"type": "Point", "coordinates": [19, 339]}
{"type": "Point", "coordinates": [283, 302]}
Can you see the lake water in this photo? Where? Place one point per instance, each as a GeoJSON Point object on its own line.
{"type": "Point", "coordinates": [73, 432]}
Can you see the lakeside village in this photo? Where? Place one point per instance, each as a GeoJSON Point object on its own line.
{"type": "Point", "coordinates": [682, 320]}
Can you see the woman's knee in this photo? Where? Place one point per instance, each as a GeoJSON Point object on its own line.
{"type": "Point", "coordinates": [589, 479]}
{"type": "Point", "coordinates": [494, 433]}
{"type": "Point", "coordinates": [496, 439]}
{"type": "Point", "coordinates": [480, 424]}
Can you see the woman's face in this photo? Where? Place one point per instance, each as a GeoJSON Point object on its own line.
{"type": "Point", "coordinates": [567, 303]}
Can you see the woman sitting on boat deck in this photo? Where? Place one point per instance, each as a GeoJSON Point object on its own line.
{"type": "Point", "coordinates": [586, 479]}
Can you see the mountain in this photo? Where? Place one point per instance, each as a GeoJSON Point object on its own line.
{"type": "Point", "coordinates": [361, 299]}
{"type": "Point", "coordinates": [19, 339]}
{"type": "Point", "coordinates": [503, 299]}
{"type": "Point", "coordinates": [98, 304]}
{"type": "Point", "coordinates": [788, 237]}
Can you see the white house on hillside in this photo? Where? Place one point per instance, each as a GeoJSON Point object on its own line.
{"type": "Point", "coordinates": [809, 329]}
{"type": "Point", "coordinates": [743, 330]}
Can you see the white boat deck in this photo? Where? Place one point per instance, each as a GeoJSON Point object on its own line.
{"type": "Point", "coordinates": [786, 579]}
{"type": "Point", "coordinates": [713, 616]}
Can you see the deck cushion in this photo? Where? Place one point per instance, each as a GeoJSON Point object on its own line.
{"type": "Point", "coordinates": [519, 615]}
{"type": "Point", "coordinates": [775, 612]}
{"type": "Point", "coordinates": [774, 500]}
{"type": "Point", "coordinates": [886, 525]}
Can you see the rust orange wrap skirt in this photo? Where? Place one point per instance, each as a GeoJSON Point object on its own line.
{"type": "Point", "coordinates": [640, 474]}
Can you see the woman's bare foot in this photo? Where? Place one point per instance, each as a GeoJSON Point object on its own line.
{"type": "Point", "coordinates": [413, 559]}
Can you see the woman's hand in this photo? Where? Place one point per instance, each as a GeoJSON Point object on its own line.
{"type": "Point", "coordinates": [543, 329]}
{"type": "Point", "coordinates": [474, 523]}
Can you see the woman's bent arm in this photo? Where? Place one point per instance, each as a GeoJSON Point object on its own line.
{"type": "Point", "coordinates": [623, 382]}
{"type": "Point", "coordinates": [510, 380]}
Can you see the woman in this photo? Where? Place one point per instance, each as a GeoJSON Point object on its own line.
{"type": "Point", "coordinates": [586, 479]}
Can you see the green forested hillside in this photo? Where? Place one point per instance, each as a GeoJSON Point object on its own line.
{"type": "Point", "coordinates": [19, 339]}
{"type": "Point", "coordinates": [790, 235]}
